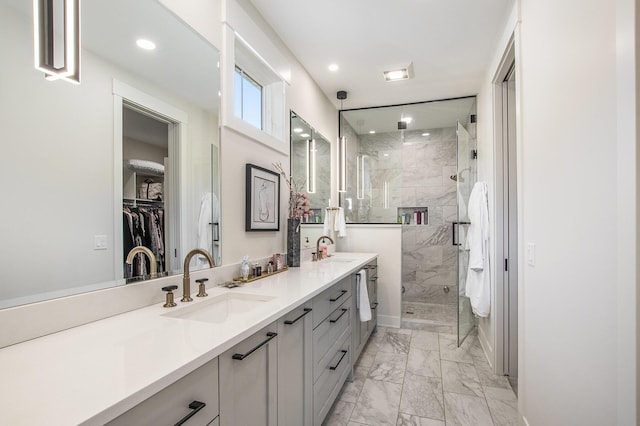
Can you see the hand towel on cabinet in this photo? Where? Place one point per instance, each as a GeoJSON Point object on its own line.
{"type": "Point", "coordinates": [362, 296]}
{"type": "Point", "coordinates": [478, 286]}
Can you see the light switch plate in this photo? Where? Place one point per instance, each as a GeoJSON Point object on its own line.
{"type": "Point", "coordinates": [531, 254]}
{"type": "Point", "coordinates": [99, 242]}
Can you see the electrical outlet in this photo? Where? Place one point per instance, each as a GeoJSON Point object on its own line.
{"type": "Point", "coordinates": [100, 242]}
{"type": "Point", "coordinates": [531, 254]}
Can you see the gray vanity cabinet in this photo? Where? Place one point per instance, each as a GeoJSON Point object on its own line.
{"type": "Point", "coordinates": [332, 359]}
{"type": "Point", "coordinates": [362, 329]}
{"type": "Point", "coordinates": [295, 375]}
{"type": "Point", "coordinates": [249, 379]}
{"type": "Point", "coordinates": [178, 401]}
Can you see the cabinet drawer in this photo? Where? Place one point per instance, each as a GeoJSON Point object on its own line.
{"type": "Point", "coordinates": [171, 404]}
{"type": "Point", "coordinates": [330, 382]}
{"type": "Point", "coordinates": [327, 336]}
{"type": "Point", "coordinates": [326, 302]}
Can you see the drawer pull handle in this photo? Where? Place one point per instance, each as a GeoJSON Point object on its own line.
{"type": "Point", "coordinates": [339, 316]}
{"type": "Point", "coordinates": [342, 293]}
{"type": "Point", "coordinates": [293, 321]}
{"type": "Point", "coordinates": [195, 406]}
{"type": "Point", "coordinates": [339, 361]}
{"type": "Point", "coordinates": [240, 357]}
{"type": "Point", "coordinates": [373, 279]}
{"type": "Point", "coordinates": [374, 306]}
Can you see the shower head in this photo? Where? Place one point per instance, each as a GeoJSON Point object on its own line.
{"type": "Point", "coordinates": [458, 177]}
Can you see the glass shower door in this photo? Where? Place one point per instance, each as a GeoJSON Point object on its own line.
{"type": "Point", "coordinates": [465, 180]}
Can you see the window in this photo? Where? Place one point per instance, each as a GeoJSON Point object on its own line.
{"type": "Point", "coordinates": [248, 99]}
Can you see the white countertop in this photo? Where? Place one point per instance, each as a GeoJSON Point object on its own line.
{"type": "Point", "coordinates": [92, 373]}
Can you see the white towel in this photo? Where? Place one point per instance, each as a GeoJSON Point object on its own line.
{"type": "Point", "coordinates": [362, 296]}
{"type": "Point", "coordinates": [329, 216]}
{"type": "Point", "coordinates": [341, 225]}
{"type": "Point", "coordinates": [478, 286]}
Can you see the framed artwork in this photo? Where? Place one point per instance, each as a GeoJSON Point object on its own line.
{"type": "Point", "coordinates": [263, 199]}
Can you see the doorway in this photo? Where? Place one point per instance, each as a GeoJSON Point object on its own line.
{"type": "Point", "coordinates": [507, 220]}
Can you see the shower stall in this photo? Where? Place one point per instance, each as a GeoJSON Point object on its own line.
{"type": "Point", "coordinates": [415, 165]}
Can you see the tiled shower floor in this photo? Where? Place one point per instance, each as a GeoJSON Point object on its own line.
{"type": "Point", "coordinates": [428, 314]}
{"type": "Point", "coordinates": [408, 377]}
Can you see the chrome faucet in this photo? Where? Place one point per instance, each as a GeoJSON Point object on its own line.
{"type": "Point", "coordinates": [150, 255]}
{"type": "Point", "coordinates": [318, 256]}
{"type": "Point", "coordinates": [186, 280]}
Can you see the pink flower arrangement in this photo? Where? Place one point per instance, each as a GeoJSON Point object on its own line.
{"type": "Point", "coordinates": [299, 205]}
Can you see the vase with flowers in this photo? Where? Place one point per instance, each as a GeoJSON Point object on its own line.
{"type": "Point", "coordinates": [299, 210]}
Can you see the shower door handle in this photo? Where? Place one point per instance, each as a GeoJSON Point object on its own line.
{"type": "Point", "coordinates": [453, 231]}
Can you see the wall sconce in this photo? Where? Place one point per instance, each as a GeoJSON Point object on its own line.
{"type": "Point", "coordinates": [342, 164]}
{"type": "Point", "coordinates": [360, 177]}
{"type": "Point", "coordinates": [386, 194]}
{"type": "Point", "coordinates": [46, 19]}
{"type": "Point", "coordinates": [311, 166]}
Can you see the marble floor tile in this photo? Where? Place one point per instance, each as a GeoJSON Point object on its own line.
{"type": "Point", "coordinates": [351, 390]}
{"type": "Point", "coordinates": [462, 378]}
{"type": "Point", "coordinates": [425, 340]}
{"type": "Point", "coordinates": [396, 330]}
{"type": "Point", "coordinates": [388, 367]}
{"type": "Point", "coordinates": [366, 357]}
{"type": "Point", "coordinates": [424, 363]}
{"type": "Point", "coordinates": [357, 424]}
{"type": "Point", "coordinates": [450, 351]}
{"type": "Point", "coordinates": [422, 396]}
{"type": "Point", "coordinates": [395, 343]}
{"type": "Point", "coordinates": [411, 420]}
{"type": "Point", "coordinates": [378, 403]}
{"type": "Point", "coordinates": [503, 406]}
{"type": "Point", "coordinates": [466, 410]}
{"type": "Point", "coordinates": [427, 326]}
{"type": "Point", "coordinates": [339, 414]}
{"type": "Point", "coordinates": [488, 377]}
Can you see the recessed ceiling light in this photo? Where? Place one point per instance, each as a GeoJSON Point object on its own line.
{"type": "Point", "coordinates": [333, 67]}
{"type": "Point", "coordinates": [426, 134]}
{"type": "Point", "coordinates": [297, 130]}
{"type": "Point", "coordinates": [407, 120]}
{"type": "Point", "coordinates": [305, 135]}
{"type": "Point", "coordinates": [371, 132]}
{"type": "Point", "coordinates": [145, 44]}
{"type": "Point", "coordinates": [386, 155]}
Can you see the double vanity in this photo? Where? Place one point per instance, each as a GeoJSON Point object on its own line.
{"type": "Point", "coordinates": [276, 351]}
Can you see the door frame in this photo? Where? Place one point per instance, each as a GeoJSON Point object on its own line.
{"type": "Point", "coordinates": [123, 94]}
{"type": "Point", "coordinates": [507, 65]}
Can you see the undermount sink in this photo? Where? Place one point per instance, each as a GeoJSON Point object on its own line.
{"type": "Point", "coordinates": [221, 308]}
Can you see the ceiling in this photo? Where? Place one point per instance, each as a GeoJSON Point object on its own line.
{"type": "Point", "coordinates": [449, 42]}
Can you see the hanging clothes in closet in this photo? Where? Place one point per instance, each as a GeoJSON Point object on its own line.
{"type": "Point", "coordinates": [143, 226]}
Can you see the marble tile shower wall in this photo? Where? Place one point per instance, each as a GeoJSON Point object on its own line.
{"type": "Point", "coordinates": [417, 171]}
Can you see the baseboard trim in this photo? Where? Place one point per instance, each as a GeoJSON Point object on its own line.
{"type": "Point", "coordinates": [389, 321]}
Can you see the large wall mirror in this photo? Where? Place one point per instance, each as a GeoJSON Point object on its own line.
{"type": "Point", "coordinates": [311, 165]}
{"type": "Point", "coordinates": [128, 157]}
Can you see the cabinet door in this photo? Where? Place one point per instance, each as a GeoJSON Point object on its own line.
{"type": "Point", "coordinates": [248, 381]}
{"type": "Point", "coordinates": [174, 402]}
{"type": "Point", "coordinates": [295, 385]}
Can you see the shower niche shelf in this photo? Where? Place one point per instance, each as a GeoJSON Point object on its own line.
{"type": "Point", "coordinates": [413, 216]}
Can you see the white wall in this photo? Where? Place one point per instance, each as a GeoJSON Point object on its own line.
{"type": "Point", "coordinates": [570, 206]}
{"type": "Point", "coordinates": [386, 240]}
{"type": "Point", "coordinates": [237, 149]}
